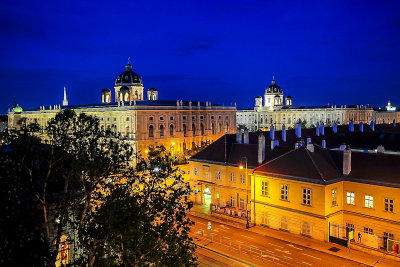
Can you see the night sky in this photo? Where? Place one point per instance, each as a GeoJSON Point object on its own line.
{"type": "Point", "coordinates": [337, 52]}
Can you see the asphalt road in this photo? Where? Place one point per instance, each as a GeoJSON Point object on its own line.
{"type": "Point", "coordinates": [209, 258]}
{"type": "Point", "coordinates": [260, 250]}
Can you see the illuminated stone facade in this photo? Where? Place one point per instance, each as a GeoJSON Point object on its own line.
{"type": "Point", "coordinates": [277, 111]}
{"type": "Point", "coordinates": [175, 124]}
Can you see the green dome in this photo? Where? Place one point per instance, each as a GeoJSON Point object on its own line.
{"type": "Point", "coordinates": [17, 109]}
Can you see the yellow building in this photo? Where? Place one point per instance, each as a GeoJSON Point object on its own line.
{"type": "Point", "coordinates": [325, 194]}
{"type": "Point", "coordinates": [176, 124]}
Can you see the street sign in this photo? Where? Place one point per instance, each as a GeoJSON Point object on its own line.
{"type": "Point", "coordinates": [209, 226]}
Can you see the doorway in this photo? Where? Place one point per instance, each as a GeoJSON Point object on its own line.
{"type": "Point", "coordinates": [207, 197]}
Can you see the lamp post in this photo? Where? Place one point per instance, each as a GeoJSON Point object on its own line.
{"type": "Point", "coordinates": [247, 192]}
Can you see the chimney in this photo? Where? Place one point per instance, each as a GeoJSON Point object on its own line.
{"type": "Point", "coordinates": [351, 126]}
{"type": "Point", "coordinates": [346, 161]}
{"type": "Point", "coordinates": [297, 145]}
{"type": "Point", "coordinates": [322, 128]}
{"type": "Point", "coordinates": [246, 136]}
{"type": "Point", "coordinates": [308, 140]}
{"type": "Point", "coordinates": [239, 136]}
{"type": "Point", "coordinates": [317, 129]}
{"type": "Point", "coordinates": [284, 133]}
{"type": "Point", "coordinates": [298, 130]}
{"type": "Point", "coordinates": [334, 127]}
{"type": "Point", "coordinates": [261, 148]}
{"type": "Point", "coordinates": [361, 126]}
{"type": "Point", "coordinates": [372, 125]}
{"type": "Point", "coordinates": [380, 149]}
{"type": "Point", "coordinates": [310, 147]}
{"type": "Point", "coordinates": [324, 143]}
{"type": "Point", "coordinates": [342, 147]}
{"type": "Point", "coordinates": [274, 143]}
{"type": "Point", "coordinates": [272, 132]}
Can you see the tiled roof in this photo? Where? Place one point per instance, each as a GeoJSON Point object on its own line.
{"type": "Point", "coordinates": [303, 163]}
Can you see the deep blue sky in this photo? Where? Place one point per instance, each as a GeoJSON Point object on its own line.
{"type": "Point", "coordinates": [338, 52]}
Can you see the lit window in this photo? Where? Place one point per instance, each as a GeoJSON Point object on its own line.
{"type": "Point", "coordinates": [233, 201]}
{"type": "Point", "coordinates": [306, 196]}
{"type": "Point", "coordinates": [284, 192]}
{"type": "Point", "coordinates": [264, 188]}
{"type": "Point", "coordinates": [389, 204]}
{"type": "Point", "coordinates": [242, 179]}
{"type": "Point", "coordinates": [196, 171]}
{"type": "Point", "coordinates": [218, 175]}
{"type": "Point", "coordinates": [350, 198]}
{"type": "Point", "coordinates": [241, 203]}
{"type": "Point", "coordinates": [232, 177]}
{"type": "Point", "coordinates": [368, 201]}
{"type": "Point", "coordinates": [334, 197]}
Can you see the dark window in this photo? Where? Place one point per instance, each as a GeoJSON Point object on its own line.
{"type": "Point", "coordinates": [212, 117]}
{"type": "Point", "coordinates": [151, 131]}
{"type": "Point", "coordinates": [194, 129]}
{"type": "Point", "coordinates": [171, 118]}
{"type": "Point", "coordinates": [171, 130]}
{"type": "Point", "coordinates": [161, 130]}
{"type": "Point", "coordinates": [201, 117]}
{"type": "Point", "coordinates": [151, 118]}
{"type": "Point", "coordinates": [202, 129]}
{"type": "Point", "coordinates": [212, 128]}
{"type": "Point", "coordinates": [161, 118]}
{"type": "Point", "coordinates": [184, 130]}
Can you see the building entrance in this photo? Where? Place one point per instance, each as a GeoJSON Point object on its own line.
{"type": "Point", "coordinates": [207, 197]}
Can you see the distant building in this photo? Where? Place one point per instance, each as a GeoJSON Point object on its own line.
{"type": "Point", "coordinates": [3, 123]}
{"type": "Point", "coordinates": [276, 110]}
{"type": "Point", "coordinates": [390, 115]}
{"type": "Point", "coordinates": [178, 125]}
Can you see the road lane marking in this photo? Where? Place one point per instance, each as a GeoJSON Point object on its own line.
{"type": "Point", "coordinates": [275, 245]}
{"type": "Point", "coordinates": [284, 251]}
{"type": "Point", "coordinates": [311, 256]}
{"type": "Point", "coordinates": [293, 246]}
{"type": "Point", "coordinates": [307, 263]}
{"type": "Point", "coordinates": [247, 236]}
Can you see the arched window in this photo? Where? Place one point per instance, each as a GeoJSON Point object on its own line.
{"type": "Point", "coordinates": [126, 98]}
{"type": "Point", "coordinates": [171, 130]}
{"type": "Point", "coordinates": [127, 131]}
{"type": "Point", "coordinates": [161, 130]}
{"type": "Point", "coordinates": [194, 129]}
{"type": "Point", "coordinates": [226, 127]}
{"type": "Point", "coordinates": [120, 97]}
{"type": "Point", "coordinates": [184, 130]}
{"type": "Point", "coordinates": [151, 131]}
{"type": "Point", "coordinates": [107, 98]}
{"type": "Point", "coordinates": [202, 128]}
{"type": "Point", "coordinates": [212, 128]}
{"type": "Point", "coordinates": [219, 127]}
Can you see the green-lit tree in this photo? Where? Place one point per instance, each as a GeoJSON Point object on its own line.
{"type": "Point", "coordinates": [141, 218]}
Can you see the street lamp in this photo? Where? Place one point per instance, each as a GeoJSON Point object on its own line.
{"type": "Point", "coordinates": [244, 159]}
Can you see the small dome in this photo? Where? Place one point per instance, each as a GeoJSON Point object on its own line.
{"type": "Point", "coordinates": [259, 97]}
{"type": "Point", "coordinates": [17, 109]}
{"type": "Point", "coordinates": [152, 90]}
{"type": "Point", "coordinates": [277, 96]}
{"type": "Point", "coordinates": [128, 77]}
{"type": "Point", "coordinates": [289, 97]}
{"type": "Point", "coordinates": [106, 90]}
{"type": "Point", "coordinates": [273, 88]}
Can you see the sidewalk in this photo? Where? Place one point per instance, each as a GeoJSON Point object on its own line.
{"type": "Point", "coordinates": [343, 252]}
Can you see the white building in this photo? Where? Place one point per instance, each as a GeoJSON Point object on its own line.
{"type": "Point", "coordinates": [278, 110]}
